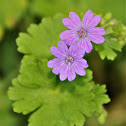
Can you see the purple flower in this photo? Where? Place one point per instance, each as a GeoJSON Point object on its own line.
{"type": "Point", "coordinates": [68, 61]}
{"type": "Point", "coordinates": [83, 32]}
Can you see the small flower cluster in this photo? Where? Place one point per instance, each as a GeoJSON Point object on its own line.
{"type": "Point", "coordinates": [77, 41]}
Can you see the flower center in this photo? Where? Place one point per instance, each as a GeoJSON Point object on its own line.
{"type": "Point", "coordinates": [82, 33]}
{"type": "Point", "coordinates": [69, 60]}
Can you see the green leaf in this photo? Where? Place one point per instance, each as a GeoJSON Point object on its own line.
{"type": "Point", "coordinates": [107, 48]}
{"type": "Point", "coordinates": [102, 116]}
{"type": "Point", "coordinates": [10, 13]}
{"type": "Point", "coordinates": [7, 118]}
{"type": "Point", "coordinates": [53, 102]}
{"type": "Point", "coordinates": [114, 39]}
{"type": "Point", "coordinates": [41, 37]}
{"type": "Point", "coordinates": [100, 97]}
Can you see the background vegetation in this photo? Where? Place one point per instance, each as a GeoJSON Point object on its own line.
{"type": "Point", "coordinates": [17, 15]}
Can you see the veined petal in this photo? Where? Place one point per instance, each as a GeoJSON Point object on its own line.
{"type": "Point", "coordinates": [71, 74]}
{"type": "Point", "coordinates": [98, 39]}
{"type": "Point", "coordinates": [85, 43]}
{"type": "Point", "coordinates": [81, 63]}
{"type": "Point", "coordinates": [72, 23]}
{"type": "Point", "coordinates": [53, 62]}
{"type": "Point", "coordinates": [97, 30]}
{"type": "Point", "coordinates": [79, 70]}
{"type": "Point", "coordinates": [69, 36]}
{"type": "Point", "coordinates": [75, 19]}
{"type": "Point", "coordinates": [56, 52]}
{"type": "Point", "coordinates": [79, 54]}
{"type": "Point", "coordinates": [58, 66]}
{"type": "Point", "coordinates": [79, 66]}
{"type": "Point", "coordinates": [73, 49]}
{"type": "Point", "coordinates": [76, 52]}
{"type": "Point", "coordinates": [95, 21]}
{"type": "Point", "coordinates": [55, 70]}
{"type": "Point", "coordinates": [63, 47]}
{"type": "Point", "coordinates": [87, 18]}
{"type": "Point", "coordinates": [64, 72]}
{"type": "Point", "coordinates": [68, 23]}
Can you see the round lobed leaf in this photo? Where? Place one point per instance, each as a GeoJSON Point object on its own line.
{"type": "Point", "coordinates": [41, 37]}
{"type": "Point", "coordinates": [115, 38]}
{"type": "Point", "coordinates": [53, 102]}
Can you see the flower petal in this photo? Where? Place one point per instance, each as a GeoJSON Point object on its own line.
{"type": "Point", "coordinates": [75, 51]}
{"type": "Point", "coordinates": [79, 54]}
{"type": "Point", "coordinates": [56, 52]}
{"type": "Point", "coordinates": [63, 72]}
{"type": "Point", "coordinates": [69, 36]}
{"type": "Point", "coordinates": [74, 23]}
{"type": "Point", "coordinates": [98, 39]}
{"type": "Point", "coordinates": [85, 43]}
{"type": "Point", "coordinates": [71, 74]}
{"type": "Point", "coordinates": [75, 19]}
{"type": "Point", "coordinates": [97, 30]}
{"type": "Point", "coordinates": [80, 71]}
{"type": "Point", "coordinates": [81, 63]}
{"type": "Point", "coordinates": [57, 66]}
{"type": "Point", "coordinates": [55, 70]}
{"type": "Point", "coordinates": [89, 21]}
{"type": "Point", "coordinates": [63, 47]}
{"type": "Point", "coordinates": [87, 18]}
{"type": "Point", "coordinates": [51, 63]}
{"type": "Point", "coordinates": [95, 21]}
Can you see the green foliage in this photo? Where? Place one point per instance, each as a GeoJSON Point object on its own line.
{"type": "Point", "coordinates": [10, 12]}
{"type": "Point", "coordinates": [114, 39]}
{"type": "Point", "coordinates": [46, 34]}
{"type": "Point", "coordinates": [100, 97]}
{"type": "Point", "coordinates": [51, 7]}
{"type": "Point", "coordinates": [6, 117]}
{"type": "Point", "coordinates": [102, 116]}
{"type": "Point", "coordinates": [41, 37]}
{"type": "Point", "coordinates": [38, 90]}
{"type": "Point", "coordinates": [53, 102]}
{"type": "Point", "coordinates": [8, 46]}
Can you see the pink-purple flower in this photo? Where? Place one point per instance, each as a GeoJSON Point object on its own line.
{"type": "Point", "coordinates": [69, 61]}
{"type": "Point", "coordinates": [83, 32]}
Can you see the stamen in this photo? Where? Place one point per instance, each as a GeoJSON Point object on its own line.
{"type": "Point", "coordinates": [82, 33]}
{"type": "Point", "coordinates": [69, 60]}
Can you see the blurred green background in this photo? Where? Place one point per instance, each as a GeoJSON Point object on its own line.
{"type": "Point", "coordinates": [17, 15]}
